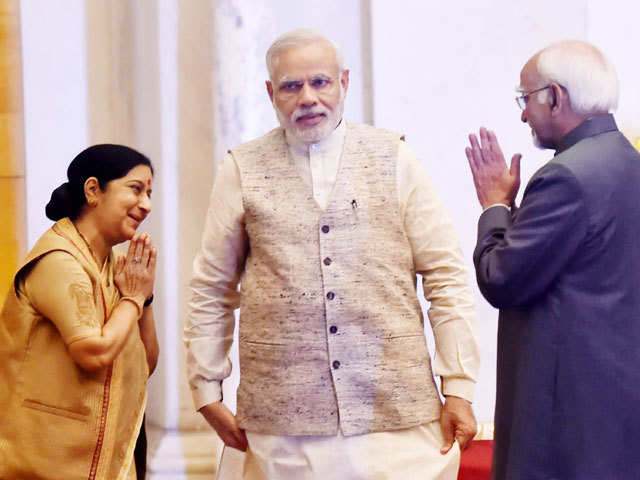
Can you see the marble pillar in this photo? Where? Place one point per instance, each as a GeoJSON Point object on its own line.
{"type": "Point", "coordinates": [12, 172]}
{"type": "Point", "coordinates": [150, 87]}
{"type": "Point", "coordinates": [181, 444]}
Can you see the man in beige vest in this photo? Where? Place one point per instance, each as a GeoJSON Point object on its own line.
{"type": "Point", "coordinates": [325, 224]}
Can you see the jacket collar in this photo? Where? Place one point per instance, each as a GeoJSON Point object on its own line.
{"type": "Point", "coordinates": [589, 128]}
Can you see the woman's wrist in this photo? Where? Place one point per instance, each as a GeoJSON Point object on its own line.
{"type": "Point", "coordinates": [137, 301]}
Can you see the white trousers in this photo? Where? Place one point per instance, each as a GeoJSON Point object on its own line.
{"type": "Point", "coordinates": [408, 454]}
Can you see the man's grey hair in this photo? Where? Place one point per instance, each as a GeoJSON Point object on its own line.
{"type": "Point", "coordinates": [294, 38]}
{"type": "Point", "coordinates": [585, 72]}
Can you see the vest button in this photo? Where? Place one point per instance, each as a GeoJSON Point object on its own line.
{"type": "Point", "coordinates": [336, 364]}
{"type": "Point", "coordinates": [327, 261]}
{"type": "Point", "coordinates": [333, 329]}
{"type": "Point", "coordinates": [325, 228]}
{"type": "Point", "coordinates": [331, 295]}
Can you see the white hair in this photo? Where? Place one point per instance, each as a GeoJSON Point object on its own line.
{"type": "Point", "coordinates": [588, 76]}
{"type": "Point", "coordinates": [294, 38]}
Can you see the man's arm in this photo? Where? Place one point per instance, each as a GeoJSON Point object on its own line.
{"type": "Point", "coordinates": [438, 258]}
{"type": "Point", "coordinates": [518, 256]}
{"type": "Point", "coordinates": [208, 331]}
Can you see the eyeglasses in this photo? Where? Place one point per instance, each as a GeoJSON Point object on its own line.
{"type": "Point", "coordinates": [522, 99]}
{"type": "Point", "coordinates": [293, 87]}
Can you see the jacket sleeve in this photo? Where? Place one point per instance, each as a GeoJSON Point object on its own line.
{"type": "Point", "coordinates": [518, 257]}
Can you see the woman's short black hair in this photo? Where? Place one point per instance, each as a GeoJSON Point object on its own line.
{"type": "Point", "coordinates": [106, 162]}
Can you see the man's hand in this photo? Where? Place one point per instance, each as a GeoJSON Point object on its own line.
{"type": "Point", "coordinates": [457, 423]}
{"type": "Point", "coordinates": [494, 183]}
{"type": "Point", "coordinates": [225, 425]}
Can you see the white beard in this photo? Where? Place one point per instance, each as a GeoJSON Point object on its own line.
{"type": "Point", "coordinates": [536, 141]}
{"type": "Point", "coordinates": [313, 134]}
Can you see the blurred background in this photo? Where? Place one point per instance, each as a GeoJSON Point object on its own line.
{"type": "Point", "coordinates": [183, 81]}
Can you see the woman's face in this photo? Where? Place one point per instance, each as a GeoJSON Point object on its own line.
{"type": "Point", "coordinates": [124, 204]}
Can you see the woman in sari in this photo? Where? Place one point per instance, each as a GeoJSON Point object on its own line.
{"type": "Point", "coordinates": [77, 335]}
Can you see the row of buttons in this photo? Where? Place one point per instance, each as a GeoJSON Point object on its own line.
{"type": "Point", "coordinates": [330, 296]}
{"type": "Point", "coordinates": [333, 328]}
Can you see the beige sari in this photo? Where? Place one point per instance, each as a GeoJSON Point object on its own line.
{"type": "Point", "coordinates": [60, 422]}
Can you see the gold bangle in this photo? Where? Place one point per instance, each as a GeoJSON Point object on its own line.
{"type": "Point", "coordinates": [137, 303]}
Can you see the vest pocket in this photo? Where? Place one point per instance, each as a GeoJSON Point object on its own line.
{"type": "Point", "coordinates": [268, 344]}
{"type": "Point", "coordinates": [403, 335]}
{"type": "Point", "coordinates": [61, 412]}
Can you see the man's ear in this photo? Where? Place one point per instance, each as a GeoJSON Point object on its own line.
{"type": "Point", "coordinates": [344, 79]}
{"type": "Point", "coordinates": [559, 98]}
{"type": "Point", "coordinates": [269, 89]}
{"type": "Point", "coordinates": [92, 190]}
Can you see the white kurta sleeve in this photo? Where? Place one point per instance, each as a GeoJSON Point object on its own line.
{"type": "Point", "coordinates": [438, 258]}
{"type": "Point", "coordinates": [209, 326]}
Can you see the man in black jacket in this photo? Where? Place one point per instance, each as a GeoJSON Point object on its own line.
{"type": "Point", "coordinates": [564, 270]}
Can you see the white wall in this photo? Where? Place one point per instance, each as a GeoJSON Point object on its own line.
{"type": "Point", "coordinates": [613, 26]}
{"type": "Point", "coordinates": [442, 69]}
{"type": "Point", "coordinates": [55, 99]}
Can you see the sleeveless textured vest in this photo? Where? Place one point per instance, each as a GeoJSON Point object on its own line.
{"type": "Point", "coordinates": [331, 332]}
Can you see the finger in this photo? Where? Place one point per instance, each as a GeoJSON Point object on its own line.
{"type": "Point", "coordinates": [131, 251]}
{"type": "Point", "coordinates": [494, 146]}
{"type": "Point", "coordinates": [484, 141]}
{"type": "Point", "coordinates": [229, 439]}
{"type": "Point", "coordinates": [139, 249]}
{"type": "Point", "coordinates": [475, 149]}
{"type": "Point", "coordinates": [146, 252]}
{"type": "Point", "coordinates": [241, 439]}
{"type": "Point", "coordinates": [235, 444]}
{"type": "Point", "coordinates": [515, 165]}
{"type": "Point", "coordinates": [475, 168]}
{"type": "Point", "coordinates": [487, 150]}
{"type": "Point", "coordinates": [484, 138]}
{"type": "Point", "coordinates": [473, 140]}
{"type": "Point", "coordinates": [119, 264]}
{"type": "Point", "coordinates": [232, 435]}
{"type": "Point", "coordinates": [464, 437]}
{"type": "Point", "coordinates": [469, 154]}
{"type": "Point", "coordinates": [153, 256]}
{"type": "Point", "coordinates": [448, 435]}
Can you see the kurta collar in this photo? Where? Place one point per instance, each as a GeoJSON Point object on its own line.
{"type": "Point", "coordinates": [333, 141]}
{"type": "Point", "coordinates": [589, 128]}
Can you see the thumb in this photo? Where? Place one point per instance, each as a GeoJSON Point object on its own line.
{"type": "Point", "coordinates": [119, 263]}
{"type": "Point", "coordinates": [447, 434]}
{"type": "Point", "coordinates": [515, 165]}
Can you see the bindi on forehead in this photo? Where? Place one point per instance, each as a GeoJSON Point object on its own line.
{"type": "Point", "coordinates": [148, 182]}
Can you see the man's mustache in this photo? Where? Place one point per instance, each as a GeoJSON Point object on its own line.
{"type": "Point", "coordinates": [297, 114]}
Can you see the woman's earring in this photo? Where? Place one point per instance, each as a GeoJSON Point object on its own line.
{"type": "Point", "coordinates": [93, 202]}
